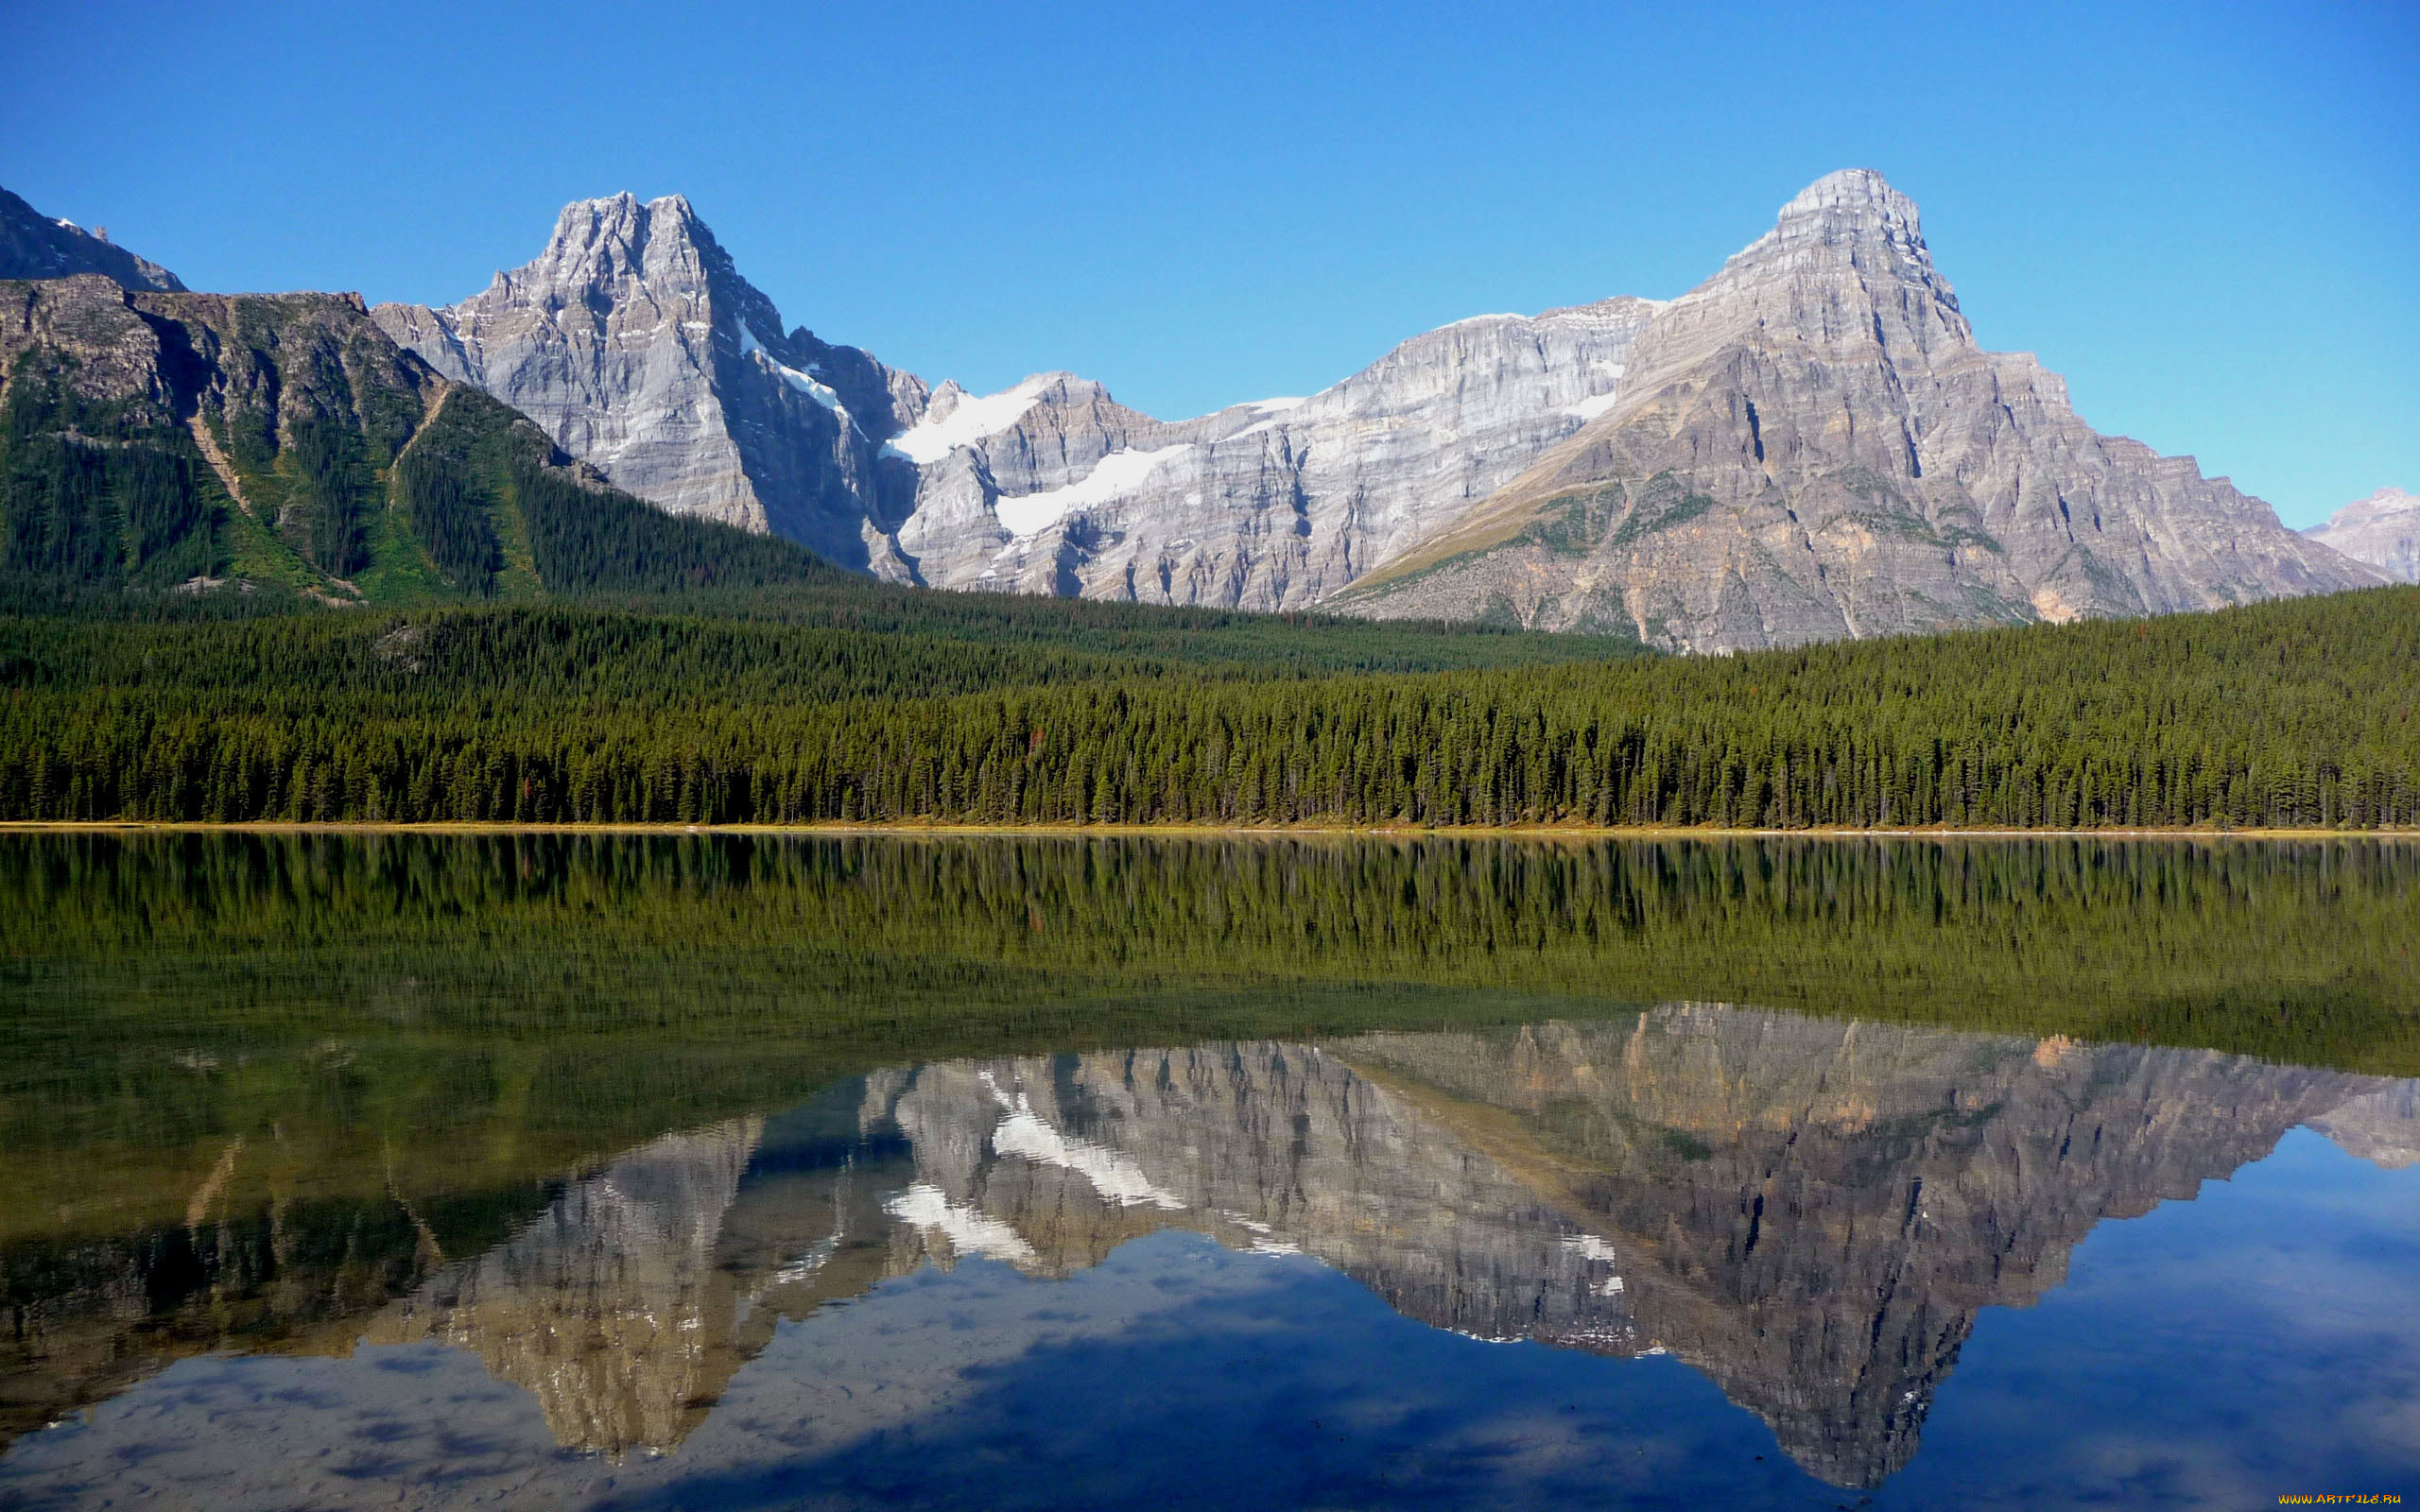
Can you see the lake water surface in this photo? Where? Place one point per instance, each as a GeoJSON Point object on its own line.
{"type": "Point", "coordinates": [714, 1172]}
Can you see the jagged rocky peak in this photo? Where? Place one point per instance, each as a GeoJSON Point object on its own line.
{"type": "Point", "coordinates": [1853, 233]}
{"type": "Point", "coordinates": [1853, 198]}
{"type": "Point", "coordinates": [1811, 446]}
{"type": "Point", "coordinates": [654, 249]}
{"type": "Point", "coordinates": [33, 244]}
{"type": "Point", "coordinates": [635, 341]}
{"type": "Point", "coordinates": [1849, 220]}
{"type": "Point", "coordinates": [618, 243]}
{"type": "Point", "coordinates": [1807, 446]}
{"type": "Point", "coordinates": [2382, 530]}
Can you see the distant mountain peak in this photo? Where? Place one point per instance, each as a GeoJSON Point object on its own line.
{"type": "Point", "coordinates": [1811, 445]}
{"type": "Point", "coordinates": [2382, 530]}
{"type": "Point", "coordinates": [33, 244]}
{"type": "Point", "coordinates": [619, 236]}
{"type": "Point", "coordinates": [2377, 506]}
{"type": "Point", "coordinates": [1808, 445]}
{"type": "Point", "coordinates": [585, 219]}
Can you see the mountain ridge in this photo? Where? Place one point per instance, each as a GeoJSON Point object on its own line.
{"type": "Point", "coordinates": [33, 244]}
{"type": "Point", "coordinates": [1809, 445]}
{"type": "Point", "coordinates": [1815, 448]}
{"type": "Point", "coordinates": [164, 442]}
{"type": "Point", "coordinates": [1598, 466]}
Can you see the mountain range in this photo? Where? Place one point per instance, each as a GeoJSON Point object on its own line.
{"type": "Point", "coordinates": [1811, 445]}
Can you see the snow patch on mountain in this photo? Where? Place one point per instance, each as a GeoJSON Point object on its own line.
{"type": "Point", "coordinates": [970, 419]}
{"type": "Point", "coordinates": [1116, 473]}
{"type": "Point", "coordinates": [751, 347]}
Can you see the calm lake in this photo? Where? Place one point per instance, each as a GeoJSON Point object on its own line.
{"type": "Point", "coordinates": [702, 1172]}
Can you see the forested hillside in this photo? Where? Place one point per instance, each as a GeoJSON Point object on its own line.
{"type": "Point", "coordinates": [2290, 713]}
{"type": "Point", "coordinates": [281, 448]}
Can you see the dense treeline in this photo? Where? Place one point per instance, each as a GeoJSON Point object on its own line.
{"type": "Point", "coordinates": [451, 517]}
{"type": "Point", "coordinates": [2293, 713]}
{"type": "Point", "coordinates": [166, 991]}
{"type": "Point", "coordinates": [864, 642]}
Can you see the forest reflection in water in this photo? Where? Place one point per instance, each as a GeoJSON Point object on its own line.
{"type": "Point", "coordinates": [628, 1121]}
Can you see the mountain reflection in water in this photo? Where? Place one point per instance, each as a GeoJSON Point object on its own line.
{"type": "Point", "coordinates": [1810, 1213]}
{"type": "Point", "coordinates": [300, 1150]}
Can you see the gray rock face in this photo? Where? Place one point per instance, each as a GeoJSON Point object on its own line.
{"type": "Point", "coordinates": [637, 345]}
{"type": "Point", "coordinates": [1808, 446]}
{"type": "Point", "coordinates": [33, 244]}
{"type": "Point", "coordinates": [1811, 446]}
{"type": "Point", "coordinates": [1813, 1212]}
{"type": "Point", "coordinates": [1280, 1148]}
{"type": "Point", "coordinates": [1053, 488]}
{"type": "Point", "coordinates": [2383, 1128]}
{"type": "Point", "coordinates": [2382, 530]}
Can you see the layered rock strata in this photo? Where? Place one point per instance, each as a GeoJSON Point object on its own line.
{"type": "Point", "coordinates": [1808, 446]}
{"type": "Point", "coordinates": [635, 344]}
{"type": "Point", "coordinates": [2382, 530]}
{"type": "Point", "coordinates": [1812, 1212]}
{"type": "Point", "coordinates": [1055, 489]}
{"type": "Point", "coordinates": [1811, 445]}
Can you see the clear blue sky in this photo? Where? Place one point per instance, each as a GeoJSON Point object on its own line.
{"type": "Point", "coordinates": [2207, 216]}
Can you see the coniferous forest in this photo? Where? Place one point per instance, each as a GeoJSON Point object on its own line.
{"type": "Point", "coordinates": [854, 703]}
{"type": "Point", "coordinates": [258, 565]}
